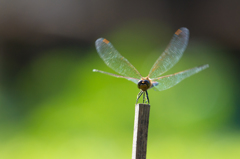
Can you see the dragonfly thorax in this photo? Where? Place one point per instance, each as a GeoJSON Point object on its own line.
{"type": "Point", "coordinates": [144, 84]}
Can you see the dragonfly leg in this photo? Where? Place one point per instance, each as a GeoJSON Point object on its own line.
{"type": "Point", "coordinates": [143, 97]}
{"type": "Point", "coordinates": [147, 97]}
{"type": "Point", "coordinates": [139, 95]}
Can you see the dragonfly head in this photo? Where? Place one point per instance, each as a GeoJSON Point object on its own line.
{"type": "Point", "coordinates": [144, 84]}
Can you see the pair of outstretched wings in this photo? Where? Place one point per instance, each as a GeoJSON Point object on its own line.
{"type": "Point", "coordinates": [167, 60]}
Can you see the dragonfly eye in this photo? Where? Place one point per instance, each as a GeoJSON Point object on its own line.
{"type": "Point", "coordinates": [147, 82]}
{"type": "Point", "coordinates": [144, 85]}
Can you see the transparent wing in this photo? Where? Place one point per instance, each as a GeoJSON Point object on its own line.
{"type": "Point", "coordinates": [169, 81]}
{"type": "Point", "coordinates": [172, 54]}
{"type": "Point", "coordinates": [134, 80]}
{"type": "Point", "coordinates": [115, 60]}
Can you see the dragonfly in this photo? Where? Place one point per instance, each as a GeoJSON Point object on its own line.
{"type": "Point", "coordinates": [167, 60]}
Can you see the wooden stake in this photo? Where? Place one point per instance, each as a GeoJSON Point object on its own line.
{"type": "Point", "coordinates": [140, 133]}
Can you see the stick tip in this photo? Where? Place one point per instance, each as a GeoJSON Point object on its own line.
{"type": "Point", "coordinates": [142, 104]}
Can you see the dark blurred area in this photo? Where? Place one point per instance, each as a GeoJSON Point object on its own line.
{"type": "Point", "coordinates": [29, 27]}
{"type": "Point", "coordinates": [26, 27]}
{"type": "Point", "coordinates": [52, 41]}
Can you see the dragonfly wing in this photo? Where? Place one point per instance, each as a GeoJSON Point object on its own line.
{"type": "Point", "coordinates": [115, 60]}
{"type": "Point", "coordinates": [134, 80]}
{"type": "Point", "coordinates": [172, 54]}
{"type": "Point", "coordinates": [169, 81]}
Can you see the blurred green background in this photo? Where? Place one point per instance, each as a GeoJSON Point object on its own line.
{"type": "Point", "coordinates": [53, 106]}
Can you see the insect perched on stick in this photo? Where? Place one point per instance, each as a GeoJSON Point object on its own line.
{"type": "Point", "coordinates": [167, 60]}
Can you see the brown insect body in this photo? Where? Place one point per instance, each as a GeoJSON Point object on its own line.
{"type": "Point", "coordinates": [144, 84]}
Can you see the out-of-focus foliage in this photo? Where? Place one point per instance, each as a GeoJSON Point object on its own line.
{"type": "Point", "coordinates": [58, 108]}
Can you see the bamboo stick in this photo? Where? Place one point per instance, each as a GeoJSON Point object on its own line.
{"type": "Point", "coordinates": [141, 121]}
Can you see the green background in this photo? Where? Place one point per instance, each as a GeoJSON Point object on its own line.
{"type": "Point", "coordinates": [57, 108]}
